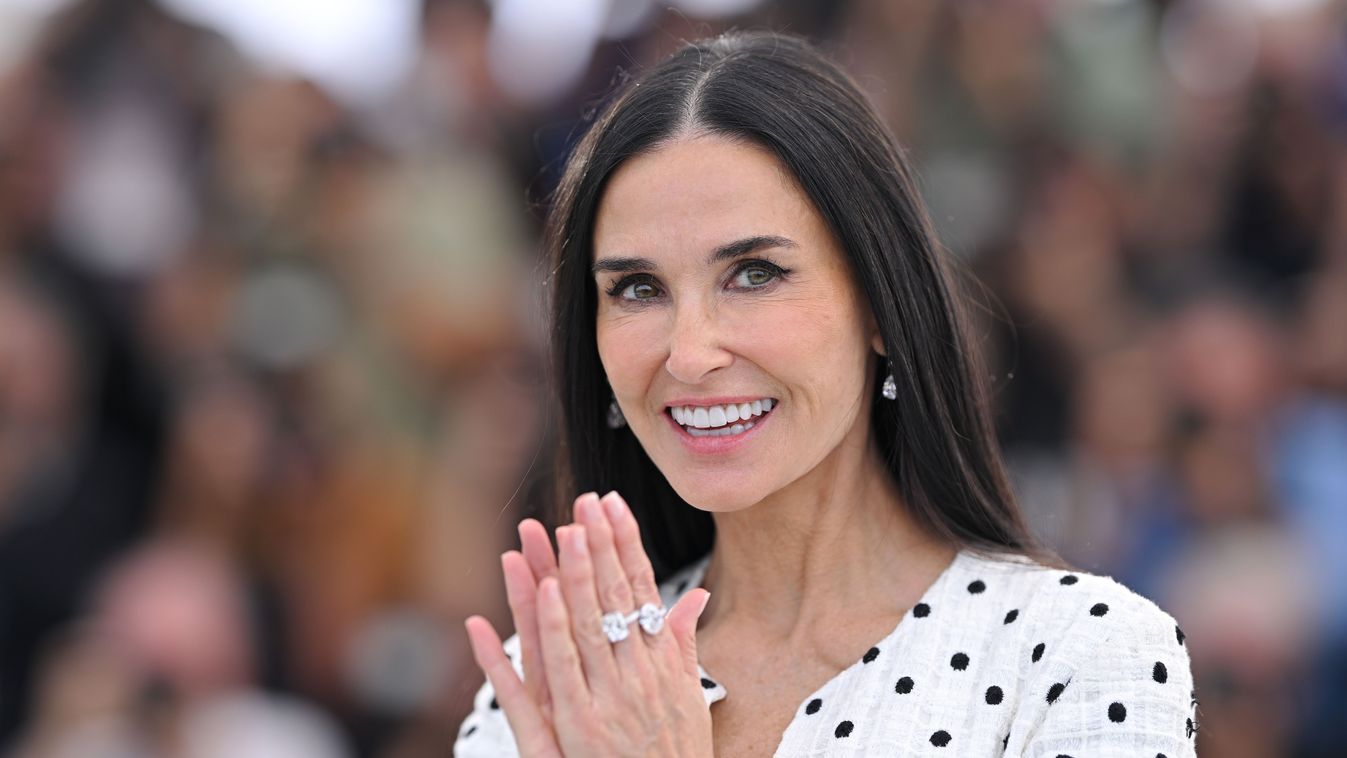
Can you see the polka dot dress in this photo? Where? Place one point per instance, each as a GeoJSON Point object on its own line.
{"type": "Point", "coordinates": [1001, 657]}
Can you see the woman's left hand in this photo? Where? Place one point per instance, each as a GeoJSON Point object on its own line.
{"type": "Point", "coordinates": [641, 696]}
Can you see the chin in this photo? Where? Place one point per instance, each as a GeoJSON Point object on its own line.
{"type": "Point", "coordinates": [718, 497]}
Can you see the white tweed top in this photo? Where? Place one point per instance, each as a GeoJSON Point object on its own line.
{"type": "Point", "coordinates": [1001, 657]}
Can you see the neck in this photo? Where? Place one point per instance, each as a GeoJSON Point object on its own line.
{"type": "Point", "coordinates": [836, 541]}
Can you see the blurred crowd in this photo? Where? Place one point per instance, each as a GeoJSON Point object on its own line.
{"type": "Point", "coordinates": [272, 371]}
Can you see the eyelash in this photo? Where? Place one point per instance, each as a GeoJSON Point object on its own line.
{"type": "Point", "coordinates": [622, 284]}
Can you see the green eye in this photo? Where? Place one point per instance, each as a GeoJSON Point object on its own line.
{"type": "Point", "coordinates": [754, 277]}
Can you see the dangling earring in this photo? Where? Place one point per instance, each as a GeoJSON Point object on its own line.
{"type": "Point", "coordinates": [615, 418]}
{"type": "Point", "coordinates": [890, 388]}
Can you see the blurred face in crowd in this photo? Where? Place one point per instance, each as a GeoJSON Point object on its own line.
{"type": "Point", "coordinates": [733, 336]}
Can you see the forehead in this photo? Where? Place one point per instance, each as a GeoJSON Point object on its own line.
{"type": "Point", "coordinates": [698, 193]}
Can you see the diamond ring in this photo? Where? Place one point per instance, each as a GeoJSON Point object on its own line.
{"type": "Point", "coordinates": [651, 618]}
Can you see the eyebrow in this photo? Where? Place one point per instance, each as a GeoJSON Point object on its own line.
{"type": "Point", "coordinates": [728, 251]}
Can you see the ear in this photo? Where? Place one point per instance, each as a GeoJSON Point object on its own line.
{"type": "Point", "coordinates": [876, 337]}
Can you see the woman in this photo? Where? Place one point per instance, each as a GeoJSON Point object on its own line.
{"type": "Point", "coordinates": [758, 347]}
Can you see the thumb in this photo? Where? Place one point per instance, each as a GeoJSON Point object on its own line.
{"type": "Point", "coordinates": [682, 621]}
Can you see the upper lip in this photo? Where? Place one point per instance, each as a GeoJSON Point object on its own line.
{"type": "Point", "coordinates": [719, 400]}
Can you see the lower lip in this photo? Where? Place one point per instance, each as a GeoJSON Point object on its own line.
{"type": "Point", "coordinates": [714, 445]}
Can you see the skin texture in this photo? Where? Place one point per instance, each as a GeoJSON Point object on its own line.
{"type": "Point", "coordinates": [815, 555]}
{"type": "Point", "coordinates": [702, 331]}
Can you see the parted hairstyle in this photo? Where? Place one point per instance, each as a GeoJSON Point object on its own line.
{"type": "Point", "coordinates": [779, 92]}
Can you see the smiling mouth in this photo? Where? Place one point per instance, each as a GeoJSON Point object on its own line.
{"type": "Point", "coordinates": [721, 420]}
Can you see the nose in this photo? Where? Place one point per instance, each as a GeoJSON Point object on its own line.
{"type": "Point", "coordinates": [695, 345]}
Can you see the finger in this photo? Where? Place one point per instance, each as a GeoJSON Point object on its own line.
{"type": "Point", "coordinates": [630, 551]}
{"type": "Point", "coordinates": [582, 604]}
{"type": "Point", "coordinates": [537, 548]}
{"type": "Point", "coordinates": [614, 589]}
{"type": "Point", "coordinates": [682, 623]}
{"type": "Point", "coordinates": [522, 593]}
{"type": "Point", "coordinates": [531, 731]}
{"type": "Point", "coordinates": [565, 677]}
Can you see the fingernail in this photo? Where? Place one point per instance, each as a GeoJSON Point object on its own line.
{"type": "Point", "coordinates": [613, 504]}
{"type": "Point", "coordinates": [705, 601]}
{"type": "Point", "coordinates": [550, 589]}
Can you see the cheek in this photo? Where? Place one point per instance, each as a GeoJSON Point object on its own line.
{"type": "Point", "coordinates": [811, 342]}
{"type": "Point", "coordinates": [629, 345]}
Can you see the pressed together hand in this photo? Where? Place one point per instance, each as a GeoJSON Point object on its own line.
{"type": "Point", "coordinates": [581, 694]}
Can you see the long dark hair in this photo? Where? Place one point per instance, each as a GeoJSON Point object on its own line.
{"type": "Point", "coordinates": [779, 92]}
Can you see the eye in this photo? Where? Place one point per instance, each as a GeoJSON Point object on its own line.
{"type": "Point", "coordinates": [637, 288]}
{"type": "Point", "coordinates": [756, 274]}
{"type": "Point", "coordinates": [640, 291]}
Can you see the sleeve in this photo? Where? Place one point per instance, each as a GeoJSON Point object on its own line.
{"type": "Point", "coordinates": [486, 733]}
{"type": "Point", "coordinates": [1134, 696]}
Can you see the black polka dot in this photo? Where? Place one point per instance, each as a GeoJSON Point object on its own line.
{"type": "Point", "coordinates": [1005, 741]}
{"type": "Point", "coordinates": [1069, 579]}
{"type": "Point", "coordinates": [903, 686]}
{"type": "Point", "coordinates": [1098, 609]}
{"type": "Point", "coordinates": [1160, 673]}
{"type": "Point", "coordinates": [1117, 713]}
{"type": "Point", "coordinates": [870, 655]}
{"type": "Point", "coordinates": [1054, 692]}
{"type": "Point", "coordinates": [1012, 616]}
{"type": "Point", "coordinates": [1063, 755]}
{"type": "Point", "coordinates": [843, 729]}
{"type": "Point", "coordinates": [959, 662]}
{"type": "Point", "coordinates": [707, 684]}
{"type": "Point", "coordinates": [1161, 755]}
{"type": "Point", "coordinates": [681, 586]}
{"type": "Point", "coordinates": [471, 729]}
{"type": "Point", "coordinates": [494, 705]}
{"type": "Point", "coordinates": [993, 695]}
{"type": "Point", "coordinates": [977, 587]}
{"type": "Point", "coordinates": [921, 610]}
{"type": "Point", "coordinates": [1038, 651]}
{"type": "Point", "coordinates": [940, 738]}
{"type": "Point", "coordinates": [1179, 633]}
{"type": "Point", "coordinates": [1191, 728]}
{"type": "Point", "coordinates": [813, 706]}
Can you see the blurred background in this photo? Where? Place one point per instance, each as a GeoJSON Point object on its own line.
{"type": "Point", "coordinates": [271, 365]}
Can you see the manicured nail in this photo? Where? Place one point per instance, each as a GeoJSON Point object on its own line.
{"type": "Point", "coordinates": [612, 502]}
{"type": "Point", "coordinates": [551, 590]}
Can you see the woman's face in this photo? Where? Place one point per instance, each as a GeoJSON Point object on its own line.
{"type": "Point", "coordinates": [720, 285]}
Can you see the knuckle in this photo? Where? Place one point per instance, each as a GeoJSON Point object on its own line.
{"type": "Point", "coordinates": [589, 632]}
{"type": "Point", "coordinates": [614, 594]}
{"type": "Point", "coordinates": [644, 580]}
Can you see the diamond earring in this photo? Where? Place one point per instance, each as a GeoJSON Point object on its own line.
{"type": "Point", "coordinates": [615, 418]}
{"type": "Point", "coordinates": [890, 388]}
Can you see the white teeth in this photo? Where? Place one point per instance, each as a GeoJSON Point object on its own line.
{"type": "Point", "coordinates": [719, 420]}
{"type": "Point", "coordinates": [722, 432]}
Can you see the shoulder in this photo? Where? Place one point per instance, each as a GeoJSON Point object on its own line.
{"type": "Point", "coordinates": [1103, 666]}
{"type": "Point", "coordinates": [1080, 610]}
